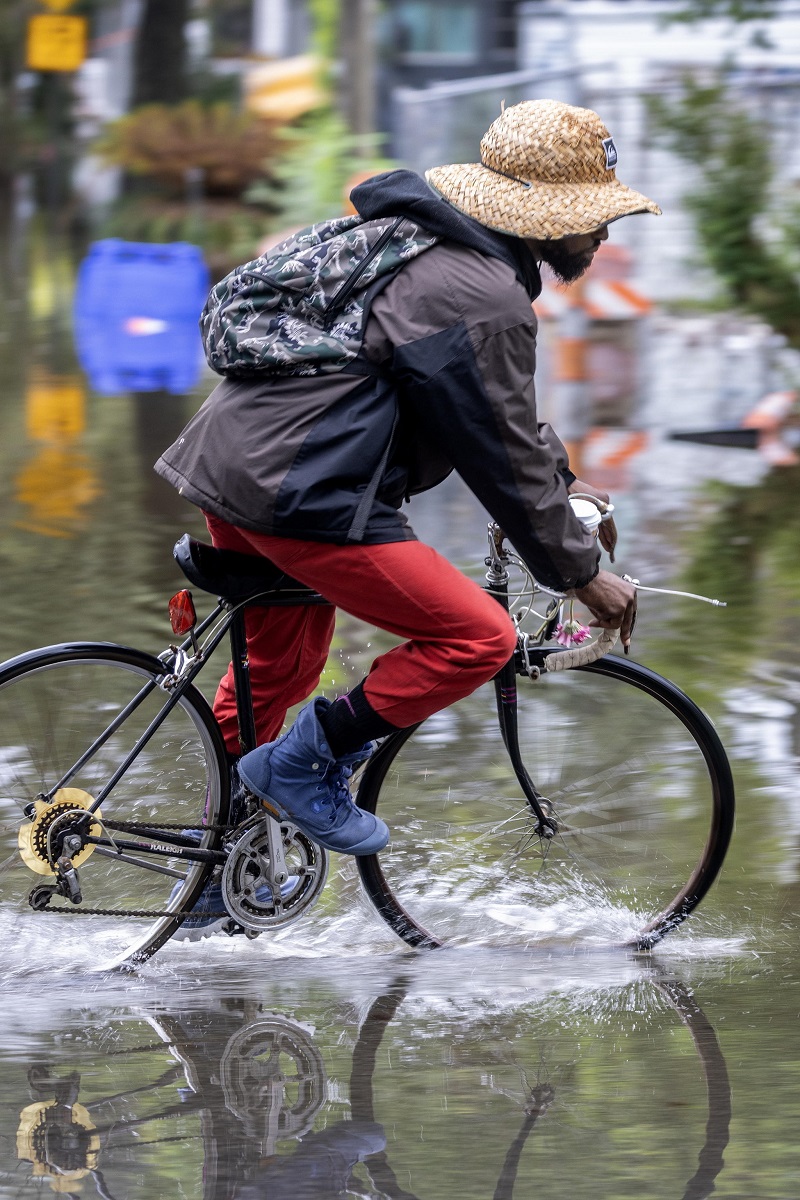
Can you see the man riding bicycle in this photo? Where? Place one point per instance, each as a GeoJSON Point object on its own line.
{"type": "Point", "coordinates": [364, 360]}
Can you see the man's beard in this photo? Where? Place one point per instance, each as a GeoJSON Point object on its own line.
{"type": "Point", "coordinates": [566, 267]}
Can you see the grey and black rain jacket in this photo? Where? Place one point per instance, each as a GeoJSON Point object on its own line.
{"type": "Point", "coordinates": [437, 375]}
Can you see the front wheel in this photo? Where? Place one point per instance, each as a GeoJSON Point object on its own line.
{"type": "Point", "coordinates": [59, 706]}
{"type": "Point", "coordinates": [634, 775]}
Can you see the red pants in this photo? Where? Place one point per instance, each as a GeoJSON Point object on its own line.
{"type": "Point", "coordinates": [458, 636]}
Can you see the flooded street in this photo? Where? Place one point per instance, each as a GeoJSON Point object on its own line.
{"type": "Point", "coordinates": [328, 1059]}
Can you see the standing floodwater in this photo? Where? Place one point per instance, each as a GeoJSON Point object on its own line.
{"type": "Point", "coordinates": [326, 1059]}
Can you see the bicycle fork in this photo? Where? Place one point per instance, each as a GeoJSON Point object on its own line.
{"type": "Point", "coordinates": [505, 686]}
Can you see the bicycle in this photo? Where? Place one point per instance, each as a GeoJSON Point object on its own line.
{"type": "Point", "coordinates": [116, 772]}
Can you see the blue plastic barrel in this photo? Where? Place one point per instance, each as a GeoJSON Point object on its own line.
{"type": "Point", "coordinates": [136, 312]}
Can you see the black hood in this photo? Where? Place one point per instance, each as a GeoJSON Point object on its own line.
{"type": "Point", "coordinates": [405, 194]}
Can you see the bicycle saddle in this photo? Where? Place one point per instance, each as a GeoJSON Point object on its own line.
{"type": "Point", "coordinates": [233, 576]}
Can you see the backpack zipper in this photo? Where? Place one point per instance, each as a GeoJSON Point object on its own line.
{"type": "Point", "coordinates": [339, 298]}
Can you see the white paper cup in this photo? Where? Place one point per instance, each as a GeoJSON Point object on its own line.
{"type": "Point", "coordinates": [587, 513]}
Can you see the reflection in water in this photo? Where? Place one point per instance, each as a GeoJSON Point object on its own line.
{"type": "Point", "coordinates": [58, 483]}
{"type": "Point", "coordinates": [55, 488]}
{"type": "Point", "coordinates": [746, 548]}
{"type": "Point", "coordinates": [710, 1161]}
{"type": "Point", "coordinates": [157, 419]}
{"type": "Point", "coordinates": [56, 1134]}
{"type": "Point", "coordinates": [244, 1107]}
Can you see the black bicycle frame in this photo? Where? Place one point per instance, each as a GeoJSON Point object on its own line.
{"type": "Point", "coordinates": [170, 844]}
{"type": "Point", "coordinates": [180, 846]}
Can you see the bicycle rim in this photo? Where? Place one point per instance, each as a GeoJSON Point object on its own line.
{"type": "Point", "coordinates": [54, 703]}
{"type": "Point", "coordinates": [639, 786]}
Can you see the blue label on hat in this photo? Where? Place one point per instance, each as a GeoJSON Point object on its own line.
{"type": "Point", "coordinates": [611, 153]}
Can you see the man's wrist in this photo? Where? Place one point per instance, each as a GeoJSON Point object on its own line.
{"type": "Point", "coordinates": [585, 583]}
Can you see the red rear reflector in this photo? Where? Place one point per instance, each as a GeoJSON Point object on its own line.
{"type": "Point", "coordinates": [182, 616]}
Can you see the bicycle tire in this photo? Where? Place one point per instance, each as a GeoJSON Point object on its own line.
{"type": "Point", "coordinates": [54, 702]}
{"type": "Point", "coordinates": [634, 771]}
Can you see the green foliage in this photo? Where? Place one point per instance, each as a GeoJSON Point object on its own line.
{"type": "Point", "coordinates": [195, 162]}
{"type": "Point", "coordinates": [731, 151]}
{"type": "Point", "coordinates": [227, 232]}
{"type": "Point", "coordinates": [743, 551]}
{"type": "Point", "coordinates": [325, 20]}
{"type": "Point", "coordinates": [320, 159]}
{"type": "Point", "coordinates": [738, 11]}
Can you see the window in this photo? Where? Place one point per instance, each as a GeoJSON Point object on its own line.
{"type": "Point", "coordinates": [427, 30]}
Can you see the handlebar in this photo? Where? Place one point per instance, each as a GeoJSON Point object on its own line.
{"type": "Point", "coordinates": [500, 558]}
{"type": "Point", "coordinates": [580, 655]}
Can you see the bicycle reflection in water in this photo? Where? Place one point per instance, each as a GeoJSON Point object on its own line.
{"type": "Point", "coordinates": [257, 1081]}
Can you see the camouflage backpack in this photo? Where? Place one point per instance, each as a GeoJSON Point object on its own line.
{"type": "Point", "coordinates": [299, 310]}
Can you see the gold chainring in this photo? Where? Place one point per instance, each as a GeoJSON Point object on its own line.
{"type": "Point", "coordinates": [33, 835]}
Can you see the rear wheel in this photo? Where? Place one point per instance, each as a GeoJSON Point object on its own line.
{"type": "Point", "coordinates": [54, 704]}
{"type": "Point", "coordinates": [635, 777]}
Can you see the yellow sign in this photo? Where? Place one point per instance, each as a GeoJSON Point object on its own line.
{"type": "Point", "coordinates": [285, 89]}
{"type": "Point", "coordinates": [56, 43]}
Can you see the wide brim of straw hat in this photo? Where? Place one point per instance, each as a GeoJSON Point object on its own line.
{"type": "Point", "coordinates": [544, 211]}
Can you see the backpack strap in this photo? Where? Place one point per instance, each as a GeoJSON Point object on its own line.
{"type": "Point", "coordinates": [359, 524]}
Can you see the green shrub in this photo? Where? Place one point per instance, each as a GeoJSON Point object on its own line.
{"type": "Point", "coordinates": [733, 201]}
{"type": "Point", "coordinates": [168, 144]}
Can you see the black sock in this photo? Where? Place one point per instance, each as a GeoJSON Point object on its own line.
{"type": "Point", "coordinates": [351, 721]}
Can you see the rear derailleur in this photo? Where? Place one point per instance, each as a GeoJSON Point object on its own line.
{"type": "Point", "coordinates": [66, 884]}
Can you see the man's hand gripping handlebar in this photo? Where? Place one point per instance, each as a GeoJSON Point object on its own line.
{"type": "Point", "coordinates": [612, 603]}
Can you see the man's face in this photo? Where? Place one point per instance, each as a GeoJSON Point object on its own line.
{"type": "Point", "coordinates": [569, 257]}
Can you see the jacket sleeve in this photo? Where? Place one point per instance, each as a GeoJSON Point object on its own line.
{"type": "Point", "coordinates": [548, 434]}
{"type": "Point", "coordinates": [465, 376]}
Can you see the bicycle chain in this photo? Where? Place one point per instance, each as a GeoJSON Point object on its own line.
{"type": "Point", "coordinates": [134, 827]}
{"type": "Point", "coordinates": [116, 912]}
{"type": "Point", "coordinates": [138, 826]}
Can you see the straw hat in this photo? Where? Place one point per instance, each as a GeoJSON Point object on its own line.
{"type": "Point", "coordinates": [546, 171]}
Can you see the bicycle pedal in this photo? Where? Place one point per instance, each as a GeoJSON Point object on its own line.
{"type": "Point", "coordinates": [234, 929]}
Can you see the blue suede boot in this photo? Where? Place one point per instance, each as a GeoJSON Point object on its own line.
{"type": "Point", "coordinates": [298, 779]}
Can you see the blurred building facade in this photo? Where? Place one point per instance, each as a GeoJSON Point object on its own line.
{"type": "Point", "coordinates": [609, 55]}
{"type": "Point", "coordinates": [431, 75]}
{"type": "Point", "coordinates": [432, 41]}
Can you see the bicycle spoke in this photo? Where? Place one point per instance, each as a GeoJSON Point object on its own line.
{"type": "Point", "coordinates": [12, 860]}
{"type": "Point", "coordinates": [625, 780]}
{"type": "Point", "coordinates": [76, 718]}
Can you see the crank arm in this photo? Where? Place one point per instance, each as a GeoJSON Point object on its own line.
{"type": "Point", "coordinates": [278, 872]}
